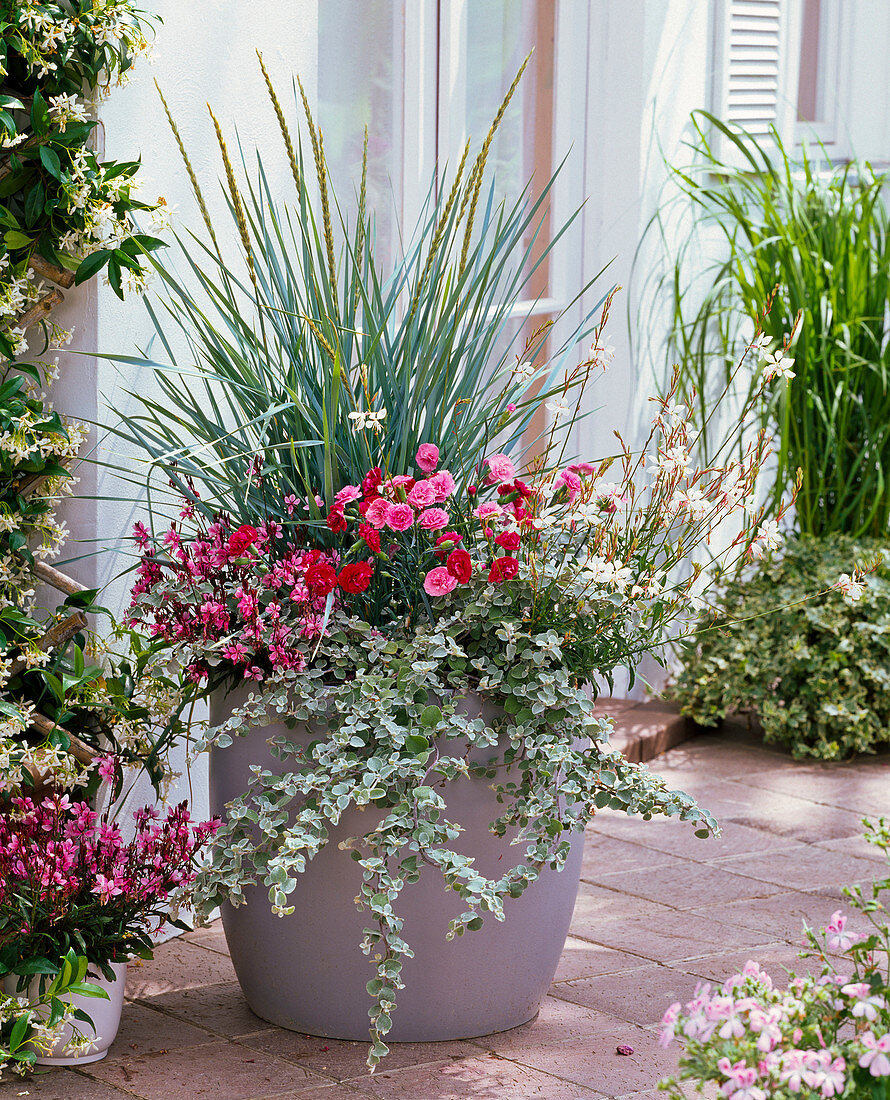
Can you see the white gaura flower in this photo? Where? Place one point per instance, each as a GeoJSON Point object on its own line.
{"type": "Point", "coordinates": [777, 363]}
{"type": "Point", "coordinates": [525, 372]}
{"type": "Point", "coordinates": [674, 459]}
{"type": "Point", "coordinates": [560, 407]}
{"type": "Point", "coordinates": [599, 570]}
{"type": "Point", "coordinates": [691, 500]}
{"type": "Point", "coordinates": [851, 588]}
{"type": "Point", "coordinates": [768, 537]}
{"type": "Point", "coordinates": [672, 416]}
{"type": "Point", "coordinates": [761, 345]}
{"type": "Point", "coordinates": [363, 420]}
{"type": "Point", "coordinates": [601, 355]}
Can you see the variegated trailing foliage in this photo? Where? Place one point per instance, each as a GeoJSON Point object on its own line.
{"type": "Point", "coordinates": [395, 731]}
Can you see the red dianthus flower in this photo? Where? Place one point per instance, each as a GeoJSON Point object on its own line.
{"type": "Point", "coordinates": [356, 576]}
{"type": "Point", "coordinates": [371, 482]}
{"type": "Point", "coordinates": [459, 565]}
{"type": "Point", "coordinates": [508, 540]}
{"type": "Point", "coordinates": [503, 569]}
{"type": "Point", "coordinates": [241, 540]}
{"type": "Point", "coordinates": [336, 520]}
{"type": "Point", "coordinates": [371, 536]}
{"type": "Point", "coordinates": [321, 578]}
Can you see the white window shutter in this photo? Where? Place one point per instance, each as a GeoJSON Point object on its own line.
{"type": "Point", "coordinates": [756, 54]}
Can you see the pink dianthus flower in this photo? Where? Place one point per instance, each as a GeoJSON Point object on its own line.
{"type": "Point", "coordinates": [500, 468]}
{"type": "Point", "coordinates": [427, 457]}
{"type": "Point", "coordinates": [433, 519]}
{"type": "Point", "coordinates": [399, 517]}
{"type": "Point", "coordinates": [438, 582]}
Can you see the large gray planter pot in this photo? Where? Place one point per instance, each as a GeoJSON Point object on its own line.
{"type": "Point", "coordinates": [306, 972]}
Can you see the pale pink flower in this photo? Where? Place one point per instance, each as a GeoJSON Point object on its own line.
{"type": "Point", "coordinates": [669, 1024]}
{"type": "Point", "coordinates": [868, 1008]}
{"type": "Point", "coordinates": [833, 1078]}
{"type": "Point", "coordinates": [875, 1059]}
{"type": "Point", "coordinates": [793, 1064]}
{"type": "Point", "coordinates": [399, 517]}
{"type": "Point", "coordinates": [433, 519]}
{"type": "Point", "coordinates": [439, 582]}
{"type": "Point", "coordinates": [766, 1025]}
{"type": "Point", "coordinates": [838, 939]}
{"type": "Point", "coordinates": [348, 493]}
{"type": "Point", "coordinates": [427, 457]}
{"type": "Point", "coordinates": [376, 513]}
{"type": "Point", "coordinates": [500, 468]}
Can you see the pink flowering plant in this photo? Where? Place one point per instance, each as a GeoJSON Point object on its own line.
{"type": "Point", "coordinates": [69, 881]}
{"type": "Point", "coordinates": [826, 1034]}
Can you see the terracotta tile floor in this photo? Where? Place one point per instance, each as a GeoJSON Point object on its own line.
{"type": "Point", "coordinates": [657, 912]}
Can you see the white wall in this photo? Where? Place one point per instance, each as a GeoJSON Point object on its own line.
{"type": "Point", "coordinates": [204, 52]}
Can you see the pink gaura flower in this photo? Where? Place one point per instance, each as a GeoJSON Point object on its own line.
{"type": "Point", "coordinates": [105, 766]}
{"type": "Point", "coordinates": [427, 457]}
{"type": "Point", "coordinates": [399, 517]}
{"type": "Point", "coordinates": [439, 582]}
{"type": "Point", "coordinates": [500, 468]}
{"type": "Point", "coordinates": [433, 519]}
{"type": "Point", "coordinates": [106, 888]}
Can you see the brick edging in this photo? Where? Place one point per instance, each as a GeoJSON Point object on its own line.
{"type": "Point", "coordinates": [644, 730]}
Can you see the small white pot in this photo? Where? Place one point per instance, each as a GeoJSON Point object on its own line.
{"type": "Point", "coordinates": [106, 1017]}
